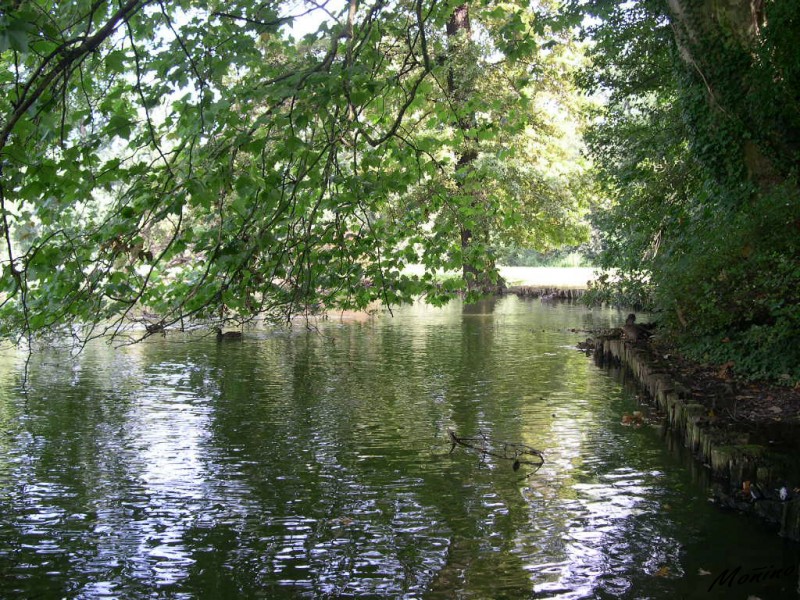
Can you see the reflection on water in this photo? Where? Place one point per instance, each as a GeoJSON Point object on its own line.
{"type": "Point", "coordinates": [316, 463]}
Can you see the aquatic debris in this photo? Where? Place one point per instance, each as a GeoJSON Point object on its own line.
{"type": "Point", "coordinates": [518, 454]}
{"type": "Point", "coordinates": [635, 420]}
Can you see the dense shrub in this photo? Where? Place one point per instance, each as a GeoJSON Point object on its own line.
{"type": "Point", "coordinates": [697, 155]}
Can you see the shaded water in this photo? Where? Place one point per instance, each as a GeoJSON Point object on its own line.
{"type": "Point", "coordinates": [299, 464]}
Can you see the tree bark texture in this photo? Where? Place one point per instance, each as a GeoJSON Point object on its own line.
{"type": "Point", "coordinates": [721, 42]}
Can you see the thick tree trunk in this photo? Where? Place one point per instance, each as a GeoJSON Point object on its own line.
{"type": "Point", "coordinates": [461, 86]}
{"type": "Point", "coordinates": [741, 19]}
{"type": "Point", "coordinates": [736, 25]}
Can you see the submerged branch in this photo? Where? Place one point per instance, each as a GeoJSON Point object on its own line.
{"type": "Point", "coordinates": [512, 451]}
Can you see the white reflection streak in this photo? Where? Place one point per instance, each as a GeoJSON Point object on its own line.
{"type": "Point", "coordinates": [554, 563]}
{"type": "Point", "coordinates": [594, 520]}
{"type": "Point", "coordinates": [174, 425]}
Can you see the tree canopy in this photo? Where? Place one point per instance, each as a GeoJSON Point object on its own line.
{"type": "Point", "coordinates": [195, 160]}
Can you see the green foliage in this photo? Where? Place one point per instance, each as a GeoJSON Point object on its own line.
{"type": "Point", "coordinates": [736, 291]}
{"type": "Point", "coordinates": [630, 289]}
{"type": "Point", "coordinates": [696, 154]}
{"type": "Point", "coordinates": [193, 160]}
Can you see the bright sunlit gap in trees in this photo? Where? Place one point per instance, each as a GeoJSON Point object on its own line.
{"type": "Point", "coordinates": [306, 17]}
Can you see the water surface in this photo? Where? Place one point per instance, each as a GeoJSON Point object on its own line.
{"type": "Point", "coordinates": [315, 462]}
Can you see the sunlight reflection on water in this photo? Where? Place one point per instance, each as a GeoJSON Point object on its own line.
{"type": "Point", "coordinates": [306, 464]}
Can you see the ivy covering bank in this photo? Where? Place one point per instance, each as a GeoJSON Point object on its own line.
{"type": "Point", "coordinates": [697, 153]}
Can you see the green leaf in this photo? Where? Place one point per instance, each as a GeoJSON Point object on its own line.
{"type": "Point", "coordinates": [127, 212]}
{"type": "Point", "coordinates": [116, 61]}
{"type": "Point", "coordinates": [120, 125]}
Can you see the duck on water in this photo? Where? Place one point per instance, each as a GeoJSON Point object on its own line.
{"type": "Point", "coordinates": [228, 335]}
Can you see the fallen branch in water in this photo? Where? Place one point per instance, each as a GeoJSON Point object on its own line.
{"type": "Point", "coordinates": [504, 450]}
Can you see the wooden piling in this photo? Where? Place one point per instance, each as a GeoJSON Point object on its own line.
{"type": "Point", "coordinates": [748, 476]}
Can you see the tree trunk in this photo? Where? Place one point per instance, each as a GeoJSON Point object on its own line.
{"type": "Point", "coordinates": [735, 25]}
{"type": "Point", "coordinates": [461, 86]}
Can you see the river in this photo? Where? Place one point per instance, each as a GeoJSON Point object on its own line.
{"type": "Point", "coordinates": [315, 462]}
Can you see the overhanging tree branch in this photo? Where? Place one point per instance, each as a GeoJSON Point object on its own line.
{"type": "Point", "coordinates": [68, 59]}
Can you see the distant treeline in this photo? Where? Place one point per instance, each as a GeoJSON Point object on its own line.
{"type": "Point", "coordinates": [583, 255]}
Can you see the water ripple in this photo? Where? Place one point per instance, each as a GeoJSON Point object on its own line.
{"type": "Point", "coordinates": [313, 464]}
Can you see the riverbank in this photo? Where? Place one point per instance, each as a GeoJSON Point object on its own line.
{"type": "Point", "coordinates": [745, 434]}
{"type": "Point", "coordinates": [548, 283]}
